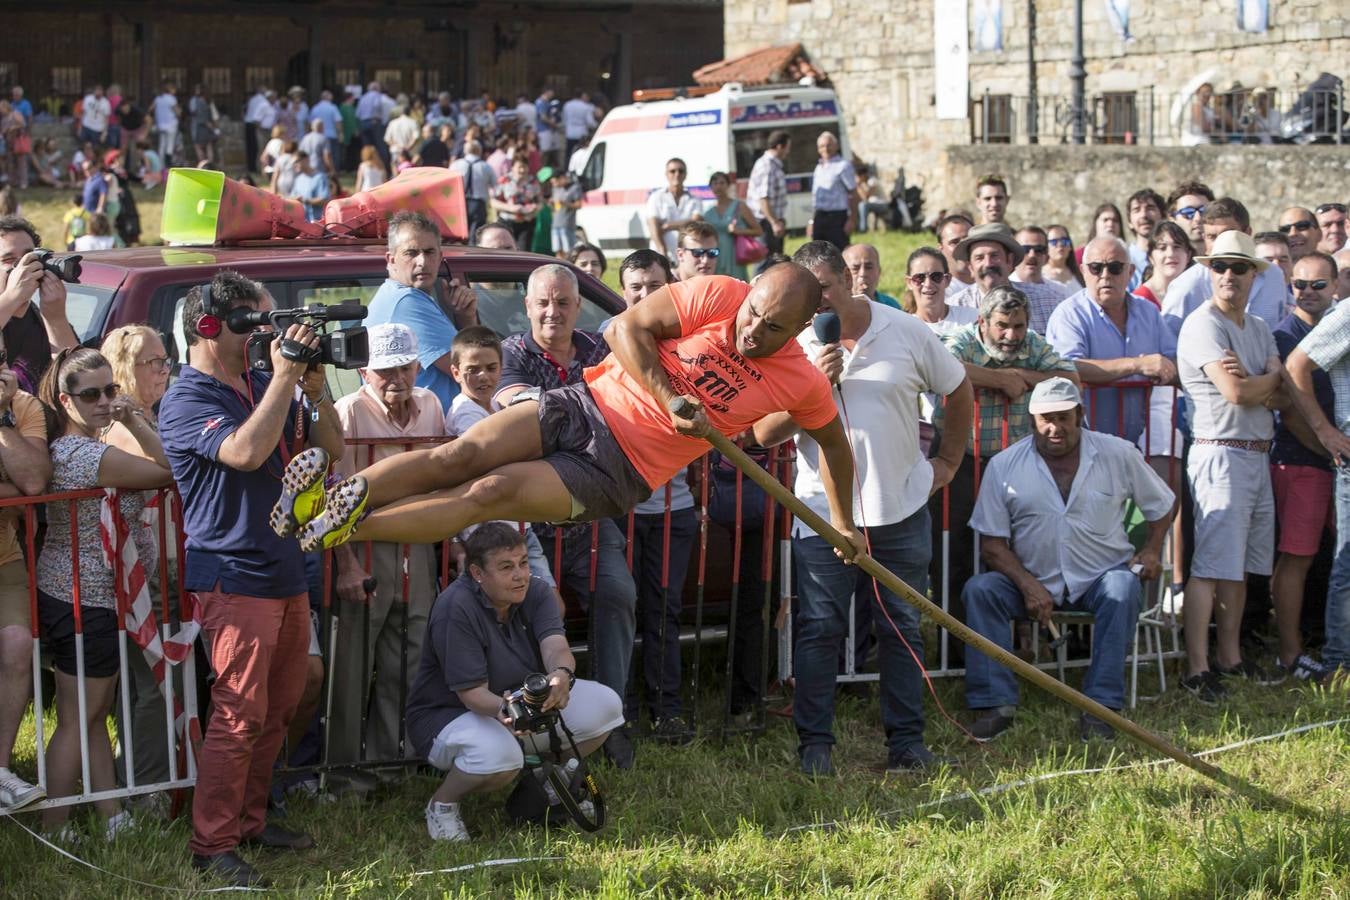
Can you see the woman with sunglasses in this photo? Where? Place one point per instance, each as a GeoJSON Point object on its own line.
{"type": "Point", "coordinates": [82, 399]}
{"type": "Point", "coordinates": [141, 366]}
{"type": "Point", "coordinates": [1062, 262]}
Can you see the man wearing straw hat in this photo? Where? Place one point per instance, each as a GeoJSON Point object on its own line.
{"type": "Point", "coordinates": [1051, 519]}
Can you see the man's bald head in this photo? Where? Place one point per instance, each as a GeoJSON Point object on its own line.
{"type": "Point", "coordinates": [780, 303]}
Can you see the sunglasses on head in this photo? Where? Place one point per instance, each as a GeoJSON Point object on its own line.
{"type": "Point", "coordinates": [699, 253]}
{"type": "Point", "coordinates": [1188, 212]}
{"type": "Point", "coordinates": [1237, 268]}
{"type": "Point", "coordinates": [933, 278]}
{"type": "Point", "coordinates": [1301, 225]}
{"type": "Point", "coordinates": [1029, 249]}
{"type": "Point", "coordinates": [1060, 242]}
{"type": "Point", "coordinates": [1330, 207]}
{"type": "Point", "coordinates": [1318, 285]}
{"type": "Point", "coordinates": [1115, 267]}
{"type": "Point", "coordinates": [90, 395]}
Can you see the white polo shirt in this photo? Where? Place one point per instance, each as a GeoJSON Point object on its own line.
{"type": "Point", "coordinates": [896, 360]}
{"type": "Point", "coordinates": [662, 206]}
{"type": "Point", "coordinates": [1068, 546]}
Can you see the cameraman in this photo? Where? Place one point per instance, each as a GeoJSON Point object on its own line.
{"type": "Point", "coordinates": [33, 332]}
{"type": "Point", "coordinates": [228, 433]}
{"type": "Point", "coordinates": [488, 631]}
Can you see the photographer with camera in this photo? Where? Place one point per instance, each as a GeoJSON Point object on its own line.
{"type": "Point", "coordinates": [495, 631]}
{"type": "Point", "coordinates": [33, 332]}
{"type": "Point", "coordinates": [228, 430]}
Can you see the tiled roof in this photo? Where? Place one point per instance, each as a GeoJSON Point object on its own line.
{"type": "Point", "coordinates": [785, 64]}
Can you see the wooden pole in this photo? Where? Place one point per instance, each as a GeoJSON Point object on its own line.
{"type": "Point", "coordinates": [1140, 735]}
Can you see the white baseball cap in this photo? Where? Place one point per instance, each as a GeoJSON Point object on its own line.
{"type": "Point", "coordinates": [1054, 395]}
{"type": "Point", "coordinates": [391, 345]}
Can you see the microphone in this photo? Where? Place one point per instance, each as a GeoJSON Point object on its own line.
{"type": "Point", "coordinates": [827, 327]}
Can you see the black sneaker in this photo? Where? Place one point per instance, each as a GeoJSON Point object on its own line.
{"type": "Point", "coordinates": [816, 761]}
{"type": "Point", "coordinates": [1304, 668]}
{"type": "Point", "coordinates": [1253, 672]}
{"type": "Point", "coordinates": [672, 730]}
{"type": "Point", "coordinates": [1205, 687]}
{"type": "Point", "coordinates": [1090, 727]}
{"type": "Point", "coordinates": [618, 749]}
{"type": "Point", "coordinates": [991, 723]}
{"type": "Point", "coordinates": [230, 868]}
{"type": "Point", "coordinates": [917, 758]}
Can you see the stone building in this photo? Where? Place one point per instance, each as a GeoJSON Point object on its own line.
{"type": "Point", "coordinates": [906, 108]}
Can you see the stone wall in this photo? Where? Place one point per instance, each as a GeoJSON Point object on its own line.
{"type": "Point", "coordinates": [879, 54]}
{"type": "Point", "coordinates": [1053, 184]}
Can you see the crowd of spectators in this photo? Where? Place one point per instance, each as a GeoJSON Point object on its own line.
{"type": "Point", "coordinates": [1161, 411]}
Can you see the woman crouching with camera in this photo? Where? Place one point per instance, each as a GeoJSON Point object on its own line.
{"type": "Point", "coordinates": [488, 632]}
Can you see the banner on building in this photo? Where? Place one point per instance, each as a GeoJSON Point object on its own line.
{"type": "Point", "coordinates": [1118, 11]}
{"type": "Point", "coordinates": [988, 25]}
{"type": "Point", "coordinates": [1253, 15]}
{"type": "Point", "coordinates": [951, 59]}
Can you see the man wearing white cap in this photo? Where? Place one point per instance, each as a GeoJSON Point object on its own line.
{"type": "Point", "coordinates": [1051, 516]}
{"type": "Point", "coordinates": [388, 407]}
{"type": "Point", "coordinates": [1230, 368]}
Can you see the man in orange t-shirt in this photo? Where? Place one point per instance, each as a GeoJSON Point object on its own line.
{"type": "Point", "coordinates": [595, 449]}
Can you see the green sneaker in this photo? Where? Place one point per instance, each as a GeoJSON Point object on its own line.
{"type": "Point", "coordinates": [302, 496]}
{"type": "Point", "coordinates": [335, 525]}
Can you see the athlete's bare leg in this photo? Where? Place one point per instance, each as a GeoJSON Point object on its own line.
{"type": "Point", "coordinates": [505, 437]}
{"type": "Point", "coordinates": [519, 492]}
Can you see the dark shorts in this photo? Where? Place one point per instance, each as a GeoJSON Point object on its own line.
{"type": "Point", "coordinates": [582, 450]}
{"type": "Point", "coordinates": [57, 618]}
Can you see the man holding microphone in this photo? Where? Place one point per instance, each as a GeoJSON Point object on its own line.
{"type": "Point", "coordinates": [880, 360]}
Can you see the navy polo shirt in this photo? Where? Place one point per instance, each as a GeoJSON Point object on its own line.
{"type": "Point", "coordinates": [1287, 449]}
{"type": "Point", "coordinates": [225, 511]}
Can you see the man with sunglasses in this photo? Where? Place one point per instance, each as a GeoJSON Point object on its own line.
{"type": "Point", "coordinates": [1230, 369]}
{"type": "Point", "coordinates": [1299, 226]}
{"type": "Point", "coordinates": [32, 304]}
{"type": "Point", "coordinates": [1035, 251]}
{"type": "Point", "coordinates": [1266, 300]}
{"type": "Point", "coordinates": [1331, 219]}
{"type": "Point", "coordinates": [697, 251]}
{"type": "Point", "coordinates": [1300, 471]}
{"type": "Point", "coordinates": [671, 208]}
{"type": "Point", "coordinates": [1184, 207]}
{"type": "Point", "coordinates": [993, 254]}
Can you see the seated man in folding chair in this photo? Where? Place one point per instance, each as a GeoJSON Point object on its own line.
{"type": "Point", "coordinates": [1051, 518]}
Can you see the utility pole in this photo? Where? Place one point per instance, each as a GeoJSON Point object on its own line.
{"type": "Point", "coordinates": [1078, 76]}
{"type": "Point", "coordinates": [1033, 113]}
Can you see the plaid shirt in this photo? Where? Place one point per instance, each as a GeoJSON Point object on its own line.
{"type": "Point", "coordinates": [1042, 297]}
{"type": "Point", "coordinates": [518, 193]}
{"type": "Point", "coordinates": [768, 183]}
{"type": "Point", "coordinates": [1036, 355]}
{"type": "Point", "coordinates": [1328, 345]}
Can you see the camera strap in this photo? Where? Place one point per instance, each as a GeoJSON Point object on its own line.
{"type": "Point", "coordinates": [555, 774]}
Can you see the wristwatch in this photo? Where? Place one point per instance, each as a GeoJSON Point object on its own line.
{"type": "Point", "coordinates": [571, 676]}
{"type": "Point", "coordinates": [7, 420]}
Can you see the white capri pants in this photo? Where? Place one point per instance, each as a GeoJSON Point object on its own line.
{"type": "Point", "coordinates": [480, 745]}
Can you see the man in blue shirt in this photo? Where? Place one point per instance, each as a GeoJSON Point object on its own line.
{"type": "Point", "coordinates": [1192, 288]}
{"type": "Point", "coordinates": [414, 261]}
{"type": "Point", "coordinates": [832, 194]}
{"type": "Point", "coordinates": [1112, 336]}
{"type": "Point", "coordinates": [326, 111]}
{"type": "Point", "coordinates": [228, 433]}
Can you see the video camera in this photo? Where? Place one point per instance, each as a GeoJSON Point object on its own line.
{"type": "Point", "coordinates": [65, 266]}
{"type": "Point", "coordinates": [346, 348]}
{"type": "Point", "coordinates": [525, 706]}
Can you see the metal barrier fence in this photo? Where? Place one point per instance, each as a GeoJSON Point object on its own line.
{"type": "Point", "coordinates": [718, 607]}
{"type": "Point", "coordinates": [1157, 118]}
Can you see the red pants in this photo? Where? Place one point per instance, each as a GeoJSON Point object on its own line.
{"type": "Point", "coordinates": [258, 649]}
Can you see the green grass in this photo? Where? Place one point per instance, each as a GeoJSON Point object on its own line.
{"type": "Point", "coordinates": [725, 820]}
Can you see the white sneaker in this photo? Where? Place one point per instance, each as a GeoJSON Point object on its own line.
{"type": "Point", "coordinates": [117, 823]}
{"type": "Point", "coordinates": [444, 822]}
{"type": "Point", "coordinates": [15, 793]}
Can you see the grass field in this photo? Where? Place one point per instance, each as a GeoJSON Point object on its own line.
{"type": "Point", "coordinates": [736, 819]}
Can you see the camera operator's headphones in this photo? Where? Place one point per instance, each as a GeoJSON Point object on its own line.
{"type": "Point", "coordinates": [212, 320]}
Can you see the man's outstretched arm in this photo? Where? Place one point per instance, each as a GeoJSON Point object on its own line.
{"type": "Point", "coordinates": [836, 476]}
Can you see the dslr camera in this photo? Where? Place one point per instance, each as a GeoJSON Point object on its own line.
{"type": "Point", "coordinates": [525, 706]}
{"type": "Point", "coordinates": [346, 348]}
{"type": "Point", "coordinates": [65, 266]}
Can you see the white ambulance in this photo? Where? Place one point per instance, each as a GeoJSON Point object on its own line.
{"type": "Point", "coordinates": [719, 131]}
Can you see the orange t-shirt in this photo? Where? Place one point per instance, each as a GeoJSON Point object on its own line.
{"type": "Point", "coordinates": [736, 392]}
